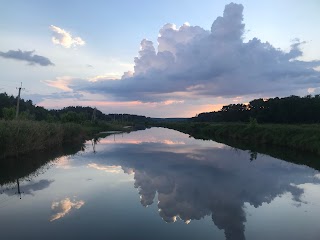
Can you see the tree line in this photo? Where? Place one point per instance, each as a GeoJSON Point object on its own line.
{"type": "Point", "coordinates": [76, 114]}
{"type": "Point", "coordinates": [292, 109]}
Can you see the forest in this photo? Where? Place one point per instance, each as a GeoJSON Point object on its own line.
{"type": "Point", "coordinates": [287, 110]}
{"type": "Point", "coordinates": [39, 129]}
{"type": "Point", "coordinates": [75, 114]}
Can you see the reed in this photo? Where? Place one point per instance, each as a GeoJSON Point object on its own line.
{"type": "Point", "coordinates": [299, 137]}
{"type": "Point", "coordinates": [18, 137]}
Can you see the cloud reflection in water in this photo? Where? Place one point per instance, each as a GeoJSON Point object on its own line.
{"type": "Point", "coordinates": [199, 179]}
{"type": "Point", "coordinates": [63, 207]}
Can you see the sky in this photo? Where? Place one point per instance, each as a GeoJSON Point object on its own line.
{"type": "Point", "coordinates": [159, 58]}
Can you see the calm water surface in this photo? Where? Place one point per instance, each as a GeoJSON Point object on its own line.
{"type": "Point", "coordinates": [161, 184]}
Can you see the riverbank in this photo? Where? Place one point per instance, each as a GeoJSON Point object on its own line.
{"type": "Point", "coordinates": [19, 137]}
{"type": "Point", "coordinates": [304, 138]}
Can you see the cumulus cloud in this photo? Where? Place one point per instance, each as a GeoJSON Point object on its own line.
{"type": "Point", "coordinates": [64, 38]}
{"type": "Point", "coordinates": [190, 62]}
{"type": "Point", "coordinates": [27, 56]}
{"type": "Point", "coordinates": [63, 207]}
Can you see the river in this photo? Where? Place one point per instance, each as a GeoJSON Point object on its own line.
{"type": "Point", "coordinates": [161, 184]}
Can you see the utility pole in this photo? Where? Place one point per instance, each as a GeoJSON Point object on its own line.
{"type": "Point", "coordinates": [94, 145]}
{"type": "Point", "coordinates": [18, 186]}
{"type": "Point", "coordinates": [94, 115]}
{"type": "Point", "coordinates": [18, 100]}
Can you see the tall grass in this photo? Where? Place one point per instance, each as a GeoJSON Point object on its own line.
{"type": "Point", "coordinates": [18, 137]}
{"type": "Point", "coordinates": [22, 136]}
{"type": "Point", "coordinates": [298, 137]}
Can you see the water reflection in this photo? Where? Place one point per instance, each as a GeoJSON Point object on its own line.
{"type": "Point", "coordinates": [32, 165]}
{"type": "Point", "coordinates": [28, 188]}
{"type": "Point", "coordinates": [17, 174]}
{"type": "Point", "coordinates": [196, 179]}
{"type": "Point", "coordinates": [110, 169]}
{"type": "Point", "coordinates": [63, 207]}
{"type": "Point", "coordinates": [183, 178]}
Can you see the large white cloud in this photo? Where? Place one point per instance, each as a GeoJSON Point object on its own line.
{"type": "Point", "coordinates": [201, 63]}
{"type": "Point", "coordinates": [64, 38]}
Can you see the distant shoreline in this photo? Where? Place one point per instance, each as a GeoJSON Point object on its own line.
{"type": "Point", "coordinates": [305, 137]}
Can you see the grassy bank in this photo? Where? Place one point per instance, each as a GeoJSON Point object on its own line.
{"type": "Point", "coordinates": [298, 137]}
{"type": "Point", "coordinates": [21, 137]}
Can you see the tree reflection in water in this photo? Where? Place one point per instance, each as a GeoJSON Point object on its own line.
{"type": "Point", "coordinates": [193, 181]}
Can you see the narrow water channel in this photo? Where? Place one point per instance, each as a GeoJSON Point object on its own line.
{"type": "Point", "coordinates": [161, 184]}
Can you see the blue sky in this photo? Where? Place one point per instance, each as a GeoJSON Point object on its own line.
{"type": "Point", "coordinates": [111, 32]}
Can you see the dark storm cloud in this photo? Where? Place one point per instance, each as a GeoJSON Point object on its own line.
{"type": "Point", "coordinates": [27, 56]}
{"type": "Point", "coordinates": [197, 62]}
